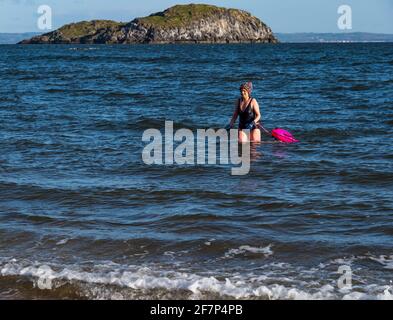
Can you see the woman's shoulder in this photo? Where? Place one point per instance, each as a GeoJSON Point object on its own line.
{"type": "Point", "coordinates": [254, 103]}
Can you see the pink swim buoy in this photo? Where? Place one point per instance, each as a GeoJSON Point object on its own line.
{"type": "Point", "coordinates": [283, 136]}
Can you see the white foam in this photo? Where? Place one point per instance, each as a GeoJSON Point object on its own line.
{"type": "Point", "coordinates": [137, 278]}
{"type": "Point", "coordinates": [386, 261]}
{"type": "Point", "coordinates": [266, 251]}
{"type": "Point", "coordinates": [83, 49]}
{"type": "Point", "coordinates": [372, 292]}
{"type": "Point", "coordinates": [61, 242]}
{"type": "Point", "coordinates": [355, 295]}
{"type": "Point", "coordinates": [387, 294]}
{"type": "Point", "coordinates": [343, 261]}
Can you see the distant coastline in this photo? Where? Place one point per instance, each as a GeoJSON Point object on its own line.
{"type": "Point", "coordinates": [355, 37]}
{"type": "Point", "coordinates": [304, 37]}
{"type": "Point", "coordinates": [13, 38]}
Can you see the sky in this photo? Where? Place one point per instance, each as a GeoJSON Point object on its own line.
{"type": "Point", "coordinates": [281, 15]}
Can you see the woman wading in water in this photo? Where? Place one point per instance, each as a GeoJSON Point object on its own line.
{"type": "Point", "coordinates": [247, 109]}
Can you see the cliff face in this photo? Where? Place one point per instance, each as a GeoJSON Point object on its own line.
{"type": "Point", "coordinates": [195, 23]}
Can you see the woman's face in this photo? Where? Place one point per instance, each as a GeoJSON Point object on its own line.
{"type": "Point", "coordinates": [244, 93]}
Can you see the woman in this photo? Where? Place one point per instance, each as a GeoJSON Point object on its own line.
{"type": "Point", "coordinates": [247, 109]}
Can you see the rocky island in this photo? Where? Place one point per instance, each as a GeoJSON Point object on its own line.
{"type": "Point", "coordinates": [193, 23]}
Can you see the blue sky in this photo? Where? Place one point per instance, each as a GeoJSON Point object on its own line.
{"type": "Point", "coordinates": [280, 15]}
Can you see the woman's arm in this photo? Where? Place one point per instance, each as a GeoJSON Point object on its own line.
{"type": "Point", "coordinates": [257, 111]}
{"type": "Point", "coordinates": [235, 114]}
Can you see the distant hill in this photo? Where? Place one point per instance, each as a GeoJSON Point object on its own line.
{"type": "Point", "coordinates": [12, 38]}
{"type": "Point", "coordinates": [334, 37]}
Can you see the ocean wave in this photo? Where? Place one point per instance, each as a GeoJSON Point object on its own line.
{"type": "Point", "coordinates": [122, 95]}
{"type": "Point", "coordinates": [330, 133]}
{"type": "Point", "coordinates": [360, 88]}
{"type": "Point", "coordinates": [77, 192]}
{"type": "Point", "coordinates": [32, 144]}
{"type": "Point", "coordinates": [112, 281]}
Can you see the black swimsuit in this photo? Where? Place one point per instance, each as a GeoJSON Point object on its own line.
{"type": "Point", "coordinates": [246, 117]}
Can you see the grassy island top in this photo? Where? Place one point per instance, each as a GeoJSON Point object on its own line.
{"type": "Point", "coordinates": [83, 28]}
{"type": "Point", "coordinates": [181, 15]}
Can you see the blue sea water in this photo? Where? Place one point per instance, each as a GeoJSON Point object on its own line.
{"type": "Point", "coordinates": [81, 216]}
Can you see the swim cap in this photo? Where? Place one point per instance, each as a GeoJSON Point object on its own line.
{"type": "Point", "coordinates": [247, 86]}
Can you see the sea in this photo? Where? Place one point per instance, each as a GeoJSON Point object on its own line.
{"type": "Point", "coordinates": [82, 216]}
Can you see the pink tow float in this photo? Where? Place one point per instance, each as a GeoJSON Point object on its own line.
{"type": "Point", "coordinates": [281, 135]}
